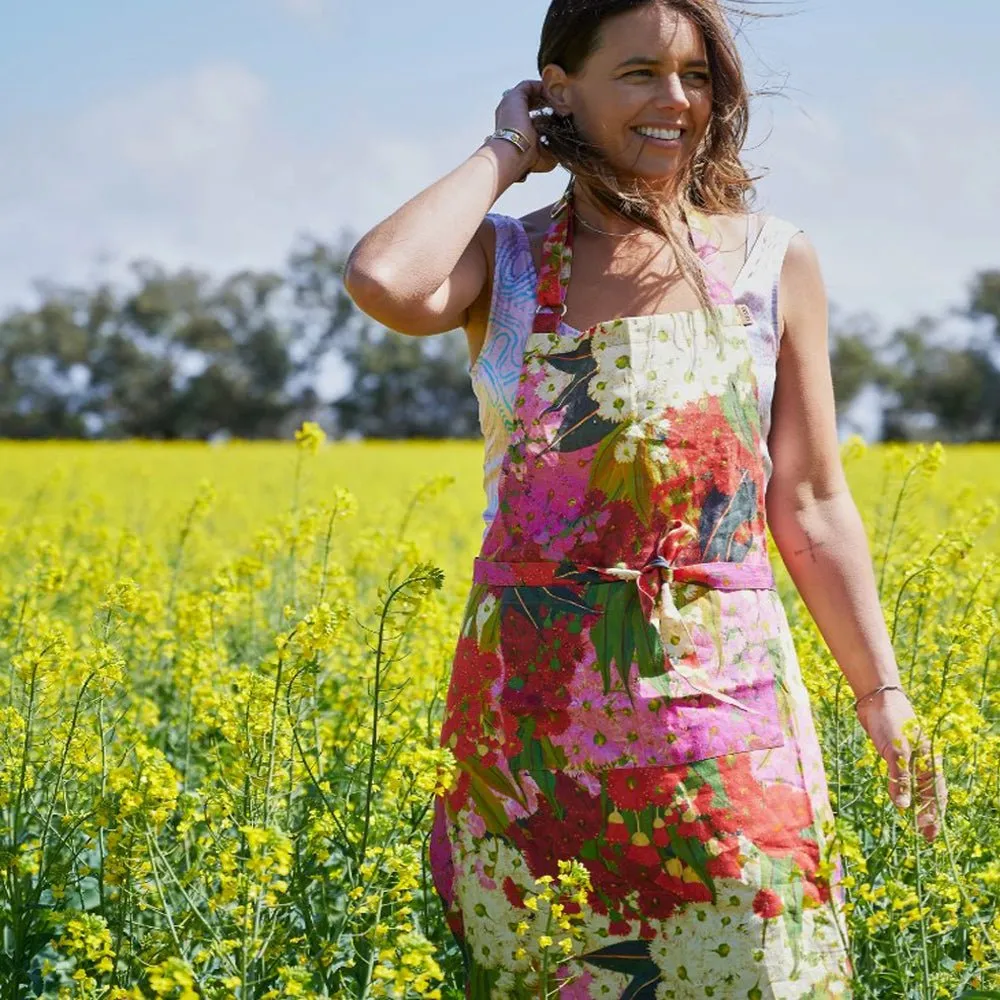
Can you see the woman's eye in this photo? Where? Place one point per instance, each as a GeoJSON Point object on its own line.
{"type": "Point", "coordinates": [703, 77]}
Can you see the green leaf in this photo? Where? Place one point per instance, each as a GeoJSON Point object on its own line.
{"type": "Point", "coordinates": [708, 772]}
{"type": "Point", "coordinates": [486, 802]}
{"type": "Point", "coordinates": [711, 611]}
{"type": "Point", "coordinates": [739, 411]}
{"type": "Point", "coordinates": [722, 516]}
{"type": "Point", "coordinates": [648, 642]}
{"type": "Point", "coordinates": [482, 981]}
{"type": "Point", "coordinates": [612, 634]}
{"type": "Point", "coordinates": [476, 595]}
{"type": "Point", "coordinates": [547, 783]}
{"type": "Point", "coordinates": [581, 427]}
{"type": "Point", "coordinates": [493, 777]}
{"type": "Point", "coordinates": [633, 481]}
{"type": "Point", "coordinates": [489, 634]}
{"type": "Point", "coordinates": [791, 896]}
{"type": "Point", "coordinates": [692, 853]}
{"type": "Point", "coordinates": [553, 757]}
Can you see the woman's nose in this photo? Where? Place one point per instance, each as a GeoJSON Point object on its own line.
{"type": "Point", "coordinates": [672, 93]}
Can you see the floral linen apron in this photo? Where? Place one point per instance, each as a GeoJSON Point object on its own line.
{"type": "Point", "coordinates": [625, 691]}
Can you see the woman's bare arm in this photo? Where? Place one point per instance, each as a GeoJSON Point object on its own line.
{"type": "Point", "coordinates": [812, 515]}
{"type": "Point", "coordinates": [821, 537]}
{"type": "Point", "coordinates": [419, 270]}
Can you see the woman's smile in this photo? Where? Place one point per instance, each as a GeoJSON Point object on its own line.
{"type": "Point", "coordinates": [660, 137]}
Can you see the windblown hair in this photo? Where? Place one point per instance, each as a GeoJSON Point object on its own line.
{"type": "Point", "coordinates": [713, 180]}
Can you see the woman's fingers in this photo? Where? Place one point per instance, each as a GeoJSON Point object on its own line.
{"type": "Point", "coordinates": [915, 774]}
{"type": "Point", "coordinates": [932, 792]}
{"type": "Point", "coordinates": [898, 759]}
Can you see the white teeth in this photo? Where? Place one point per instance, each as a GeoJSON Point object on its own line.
{"type": "Point", "coordinates": [660, 133]}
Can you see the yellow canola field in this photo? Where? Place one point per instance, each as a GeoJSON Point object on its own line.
{"type": "Point", "coordinates": [222, 669]}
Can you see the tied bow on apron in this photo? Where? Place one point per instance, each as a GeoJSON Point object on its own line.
{"type": "Point", "coordinates": [654, 581]}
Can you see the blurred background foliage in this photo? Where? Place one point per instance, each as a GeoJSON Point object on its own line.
{"type": "Point", "coordinates": [182, 355]}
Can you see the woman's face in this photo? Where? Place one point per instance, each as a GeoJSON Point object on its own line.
{"type": "Point", "coordinates": [650, 72]}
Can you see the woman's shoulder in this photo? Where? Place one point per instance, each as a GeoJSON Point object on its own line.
{"type": "Point", "coordinates": [514, 236]}
{"type": "Point", "coordinates": [760, 232]}
{"type": "Point", "coordinates": [734, 227]}
{"type": "Point", "coordinates": [533, 224]}
{"type": "Point", "coordinates": [732, 230]}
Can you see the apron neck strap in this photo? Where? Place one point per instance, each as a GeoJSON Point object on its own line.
{"type": "Point", "coordinates": [557, 259]}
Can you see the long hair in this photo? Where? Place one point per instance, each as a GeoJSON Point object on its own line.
{"type": "Point", "coordinates": [713, 179]}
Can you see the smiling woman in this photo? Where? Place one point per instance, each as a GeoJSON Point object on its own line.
{"type": "Point", "coordinates": [650, 66]}
{"type": "Point", "coordinates": [655, 390]}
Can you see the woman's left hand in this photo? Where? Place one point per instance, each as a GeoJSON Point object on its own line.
{"type": "Point", "coordinates": [886, 719]}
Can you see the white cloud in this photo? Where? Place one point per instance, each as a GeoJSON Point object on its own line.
{"type": "Point", "coordinates": [195, 169]}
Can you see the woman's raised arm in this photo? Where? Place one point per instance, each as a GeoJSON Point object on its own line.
{"type": "Point", "coordinates": [419, 270]}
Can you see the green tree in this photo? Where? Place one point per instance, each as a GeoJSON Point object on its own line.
{"type": "Point", "coordinates": [407, 387]}
{"type": "Point", "coordinates": [941, 391]}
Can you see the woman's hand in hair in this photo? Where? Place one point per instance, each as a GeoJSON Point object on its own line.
{"type": "Point", "coordinates": [514, 111]}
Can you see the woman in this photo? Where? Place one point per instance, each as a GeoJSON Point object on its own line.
{"type": "Point", "coordinates": [652, 365]}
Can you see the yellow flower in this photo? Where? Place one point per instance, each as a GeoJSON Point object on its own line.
{"type": "Point", "coordinates": [310, 437]}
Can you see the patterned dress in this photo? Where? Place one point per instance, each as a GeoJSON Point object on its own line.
{"type": "Point", "coordinates": [625, 692]}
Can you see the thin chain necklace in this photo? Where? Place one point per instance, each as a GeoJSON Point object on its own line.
{"type": "Point", "coordinates": [604, 232]}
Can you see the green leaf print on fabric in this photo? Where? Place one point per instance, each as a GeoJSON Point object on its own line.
{"type": "Point", "coordinates": [649, 654]}
{"type": "Point", "coordinates": [631, 958]}
{"type": "Point", "coordinates": [793, 895]}
{"type": "Point", "coordinates": [488, 778]}
{"type": "Point", "coordinates": [623, 634]}
{"type": "Point", "coordinates": [581, 427]}
{"type": "Point", "coordinates": [557, 600]}
{"type": "Point", "coordinates": [477, 593]}
{"type": "Point", "coordinates": [707, 771]}
{"type": "Point", "coordinates": [486, 802]}
{"type": "Point", "coordinates": [633, 480]}
{"type": "Point", "coordinates": [739, 406]}
{"type": "Point", "coordinates": [482, 981]}
{"type": "Point", "coordinates": [692, 852]}
{"type": "Point", "coordinates": [722, 516]}
{"type": "Point", "coordinates": [538, 755]}
{"type": "Point", "coordinates": [710, 607]}
{"type": "Point", "coordinates": [489, 629]}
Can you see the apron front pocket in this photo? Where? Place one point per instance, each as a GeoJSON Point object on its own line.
{"type": "Point", "coordinates": [586, 684]}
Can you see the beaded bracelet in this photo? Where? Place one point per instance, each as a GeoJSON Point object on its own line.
{"type": "Point", "coordinates": [878, 690]}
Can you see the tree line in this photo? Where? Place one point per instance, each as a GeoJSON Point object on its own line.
{"type": "Point", "coordinates": [179, 354]}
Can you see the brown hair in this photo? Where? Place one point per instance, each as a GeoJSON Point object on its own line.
{"type": "Point", "coordinates": [714, 179]}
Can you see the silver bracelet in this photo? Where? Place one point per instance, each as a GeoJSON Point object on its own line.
{"type": "Point", "coordinates": [878, 690]}
{"type": "Point", "coordinates": [512, 135]}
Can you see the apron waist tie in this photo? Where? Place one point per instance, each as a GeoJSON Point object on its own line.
{"type": "Point", "coordinates": [654, 581]}
{"type": "Point", "coordinates": [717, 575]}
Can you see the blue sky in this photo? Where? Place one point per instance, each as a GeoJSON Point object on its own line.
{"type": "Point", "coordinates": [212, 132]}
